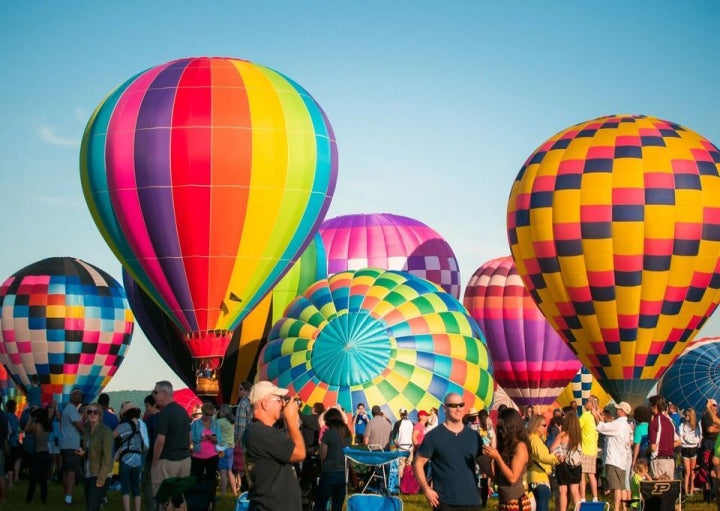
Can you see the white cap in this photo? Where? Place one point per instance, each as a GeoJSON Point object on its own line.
{"type": "Point", "coordinates": [263, 389]}
{"type": "Point", "coordinates": [625, 407]}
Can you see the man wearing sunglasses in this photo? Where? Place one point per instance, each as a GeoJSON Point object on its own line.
{"type": "Point", "coordinates": [171, 451]}
{"type": "Point", "coordinates": [452, 449]}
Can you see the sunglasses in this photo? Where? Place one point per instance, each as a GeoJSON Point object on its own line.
{"type": "Point", "coordinates": [93, 412]}
{"type": "Point", "coordinates": [455, 405]}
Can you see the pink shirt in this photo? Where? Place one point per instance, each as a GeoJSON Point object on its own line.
{"type": "Point", "coordinates": [207, 448]}
{"type": "Point", "coordinates": [420, 428]}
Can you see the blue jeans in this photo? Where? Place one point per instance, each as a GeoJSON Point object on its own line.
{"type": "Point", "coordinates": [94, 495]}
{"type": "Point", "coordinates": [130, 479]}
{"type": "Point", "coordinates": [332, 485]}
{"type": "Point", "coordinates": [542, 497]}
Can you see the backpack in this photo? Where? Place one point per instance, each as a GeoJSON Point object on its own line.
{"type": "Point", "coordinates": [126, 446]}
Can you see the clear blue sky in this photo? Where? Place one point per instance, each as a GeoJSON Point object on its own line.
{"type": "Point", "coordinates": [435, 105]}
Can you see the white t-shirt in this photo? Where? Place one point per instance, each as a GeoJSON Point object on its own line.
{"type": "Point", "coordinates": [404, 438]}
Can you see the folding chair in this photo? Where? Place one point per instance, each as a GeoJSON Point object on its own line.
{"type": "Point", "coordinates": [375, 459]}
{"type": "Point", "coordinates": [359, 502]}
{"type": "Point", "coordinates": [661, 495]}
{"type": "Point", "coordinates": [593, 506]}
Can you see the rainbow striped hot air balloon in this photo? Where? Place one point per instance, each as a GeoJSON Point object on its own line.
{"type": "Point", "coordinates": [248, 338]}
{"type": "Point", "coordinates": [66, 323]}
{"type": "Point", "coordinates": [208, 177]}
{"type": "Point", "coordinates": [614, 225]}
{"type": "Point", "coordinates": [378, 337]}
{"type": "Point", "coordinates": [392, 242]}
{"type": "Point", "coordinates": [530, 360]}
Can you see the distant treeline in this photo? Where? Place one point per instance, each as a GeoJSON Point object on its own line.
{"type": "Point", "coordinates": [136, 396]}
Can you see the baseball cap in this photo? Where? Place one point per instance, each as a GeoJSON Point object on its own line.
{"type": "Point", "coordinates": [423, 413]}
{"type": "Point", "coordinates": [625, 407]}
{"type": "Point", "coordinates": [263, 389]}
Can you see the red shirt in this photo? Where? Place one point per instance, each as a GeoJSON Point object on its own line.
{"type": "Point", "coordinates": [665, 446]}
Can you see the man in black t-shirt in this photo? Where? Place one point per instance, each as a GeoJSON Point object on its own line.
{"type": "Point", "coordinates": [452, 449]}
{"type": "Point", "coordinates": [171, 450]}
{"type": "Point", "coordinates": [271, 452]}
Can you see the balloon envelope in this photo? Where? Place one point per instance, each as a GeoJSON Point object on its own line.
{"type": "Point", "coordinates": [530, 360]}
{"type": "Point", "coordinates": [66, 323]}
{"type": "Point", "coordinates": [378, 337]}
{"type": "Point", "coordinates": [614, 225]}
{"type": "Point", "coordinates": [582, 386]}
{"type": "Point", "coordinates": [694, 377]}
{"type": "Point", "coordinates": [248, 338]}
{"type": "Point", "coordinates": [392, 242]}
{"type": "Point", "coordinates": [207, 177]}
{"type": "Point", "coordinates": [188, 400]}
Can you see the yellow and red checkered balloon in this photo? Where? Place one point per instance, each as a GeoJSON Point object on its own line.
{"type": "Point", "coordinates": [614, 225]}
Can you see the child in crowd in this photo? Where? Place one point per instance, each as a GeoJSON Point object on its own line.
{"type": "Point", "coordinates": [641, 472]}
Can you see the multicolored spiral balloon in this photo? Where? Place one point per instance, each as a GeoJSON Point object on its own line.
{"type": "Point", "coordinates": [392, 242]}
{"type": "Point", "coordinates": [378, 337]}
{"type": "Point", "coordinates": [614, 225]}
{"type": "Point", "coordinates": [66, 323]}
{"type": "Point", "coordinates": [207, 177]}
{"type": "Point", "coordinates": [694, 377]}
{"type": "Point", "coordinates": [530, 360]}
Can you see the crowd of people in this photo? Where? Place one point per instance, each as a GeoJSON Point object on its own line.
{"type": "Point", "coordinates": [265, 446]}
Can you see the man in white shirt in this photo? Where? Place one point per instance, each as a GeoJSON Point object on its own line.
{"type": "Point", "coordinates": [618, 439]}
{"type": "Point", "coordinates": [403, 440]}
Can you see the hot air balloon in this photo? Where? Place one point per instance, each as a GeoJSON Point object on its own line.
{"type": "Point", "coordinates": [695, 376]}
{"type": "Point", "coordinates": [243, 354]}
{"type": "Point", "coordinates": [248, 338]}
{"type": "Point", "coordinates": [392, 242]}
{"type": "Point", "coordinates": [582, 386]}
{"type": "Point", "coordinates": [614, 225]}
{"type": "Point", "coordinates": [378, 337]}
{"type": "Point", "coordinates": [65, 323]}
{"type": "Point", "coordinates": [188, 400]}
{"type": "Point", "coordinates": [207, 177]}
{"type": "Point", "coordinates": [530, 360]}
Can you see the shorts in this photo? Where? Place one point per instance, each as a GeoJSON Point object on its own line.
{"type": "Point", "coordinates": [615, 478]}
{"type": "Point", "coordinates": [71, 462]}
{"type": "Point", "coordinates": [238, 458]}
{"type": "Point", "coordinates": [226, 460]}
{"type": "Point", "coordinates": [589, 464]}
{"type": "Point", "coordinates": [567, 475]}
{"type": "Point", "coordinates": [689, 452]}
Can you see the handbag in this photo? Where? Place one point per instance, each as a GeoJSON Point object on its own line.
{"type": "Point", "coordinates": [573, 458]}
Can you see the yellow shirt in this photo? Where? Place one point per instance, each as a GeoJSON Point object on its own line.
{"type": "Point", "coordinates": [541, 461]}
{"type": "Point", "coordinates": [589, 434]}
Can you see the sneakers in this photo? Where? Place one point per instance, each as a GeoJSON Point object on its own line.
{"type": "Point", "coordinates": [68, 499]}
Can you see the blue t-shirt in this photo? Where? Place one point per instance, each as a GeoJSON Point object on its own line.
{"type": "Point", "coordinates": [453, 464]}
{"type": "Point", "coordinates": [360, 423]}
{"type": "Point", "coordinates": [641, 437]}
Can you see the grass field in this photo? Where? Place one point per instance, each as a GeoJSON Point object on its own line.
{"type": "Point", "coordinates": [16, 501]}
